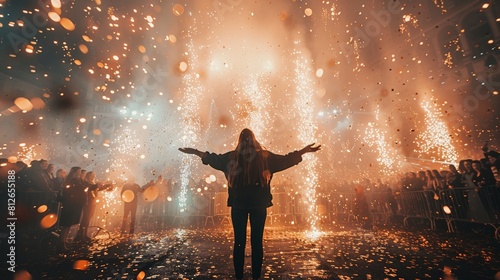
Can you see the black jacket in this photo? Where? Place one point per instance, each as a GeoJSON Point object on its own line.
{"type": "Point", "coordinates": [251, 196]}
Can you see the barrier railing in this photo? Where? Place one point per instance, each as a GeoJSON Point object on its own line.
{"type": "Point", "coordinates": [383, 205]}
{"type": "Point", "coordinates": [474, 205]}
{"type": "Point", "coordinates": [418, 204]}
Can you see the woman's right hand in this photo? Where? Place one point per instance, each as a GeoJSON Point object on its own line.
{"type": "Point", "coordinates": [192, 151]}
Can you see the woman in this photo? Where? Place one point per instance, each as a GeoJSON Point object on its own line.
{"type": "Point", "coordinates": [454, 178]}
{"type": "Point", "coordinates": [74, 198]}
{"type": "Point", "coordinates": [439, 181]}
{"type": "Point", "coordinates": [430, 180]}
{"type": "Point", "coordinates": [249, 170]}
{"type": "Point", "coordinates": [482, 177]}
{"type": "Point", "coordinates": [91, 188]}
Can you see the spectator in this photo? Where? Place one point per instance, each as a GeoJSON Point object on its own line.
{"type": "Point", "coordinates": [361, 208]}
{"type": "Point", "coordinates": [439, 181]}
{"type": "Point", "coordinates": [59, 179]}
{"type": "Point", "coordinates": [454, 179]}
{"type": "Point", "coordinates": [494, 164]}
{"type": "Point", "coordinates": [83, 174]}
{"type": "Point", "coordinates": [34, 178]}
{"type": "Point", "coordinates": [467, 172]}
{"type": "Point", "coordinates": [129, 195]}
{"type": "Point", "coordinates": [481, 176]}
{"type": "Point", "coordinates": [422, 175]}
{"type": "Point", "coordinates": [91, 188]}
{"type": "Point", "coordinates": [391, 201]}
{"type": "Point", "coordinates": [73, 200]}
{"type": "Point", "coordinates": [430, 180]}
{"type": "Point", "coordinates": [414, 183]}
{"type": "Point", "coordinates": [50, 171]}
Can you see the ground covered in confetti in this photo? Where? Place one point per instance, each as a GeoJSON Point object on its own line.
{"type": "Point", "coordinates": [340, 252]}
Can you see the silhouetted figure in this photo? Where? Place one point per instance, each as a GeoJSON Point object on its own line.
{"type": "Point", "coordinates": [92, 188]}
{"type": "Point", "coordinates": [361, 208]}
{"type": "Point", "coordinates": [249, 170]}
{"type": "Point", "coordinates": [129, 195]}
{"type": "Point", "coordinates": [494, 165]}
{"type": "Point", "coordinates": [466, 170]}
{"type": "Point", "coordinates": [34, 178]}
{"type": "Point", "coordinates": [439, 181]}
{"type": "Point", "coordinates": [482, 177]}
{"type": "Point", "coordinates": [59, 179]}
{"type": "Point", "coordinates": [73, 200]}
{"type": "Point", "coordinates": [454, 179]}
{"type": "Point", "coordinates": [391, 201]}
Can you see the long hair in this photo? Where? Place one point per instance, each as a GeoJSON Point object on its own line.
{"type": "Point", "coordinates": [248, 162]}
{"type": "Point", "coordinates": [73, 173]}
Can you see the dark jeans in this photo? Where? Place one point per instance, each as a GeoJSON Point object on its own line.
{"type": "Point", "coordinates": [130, 208]}
{"type": "Point", "coordinates": [239, 218]}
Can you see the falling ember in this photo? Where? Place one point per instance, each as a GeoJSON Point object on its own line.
{"type": "Point", "coordinates": [22, 274]}
{"type": "Point", "coordinates": [183, 66]}
{"type": "Point", "coordinates": [54, 16]}
{"type": "Point", "coordinates": [128, 196]}
{"type": "Point", "coordinates": [67, 24]}
{"type": "Point", "coordinates": [23, 104]}
{"type": "Point", "coordinates": [178, 9]}
{"type": "Point", "coordinates": [151, 193]}
{"type": "Point", "coordinates": [38, 103]}
{"type": "Point", "coordinates": [319, 73]}
{"type": "Point", "coordinates": [86, 38]}
{"type": "Point", "coordinates": [56, 3]}
{"type": "Point", "coordinates": [81, 265]}
{"type": "Point", "coordinates": [84, 49]}
{"type": "Point", "coordinates": [29, 49]}
{"type": "Point", "coordinates": [48, 221]}
{"type": "Point", "coordinates": [172, 38]}
{"type": "Point", "coordinates": [42, 208]}
{"type": "Point", "coordinates": [141, 275]}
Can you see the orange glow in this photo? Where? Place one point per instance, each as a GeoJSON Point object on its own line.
{"type": "Point", "coordinates": [48, 221]}
{"type": "Point", "coordinates": [67, 24]}
{"type": "Point", "coordinates": [81, 265]}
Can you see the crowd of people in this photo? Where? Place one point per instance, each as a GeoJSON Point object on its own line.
{"type": "Point", "coordinates": [74, 193]}
{"type": "Point", "coordinates": [470, 173]}
{"type": "Point", "coordinates": [77, 190]}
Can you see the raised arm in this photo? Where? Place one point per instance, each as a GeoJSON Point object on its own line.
{"type": "Point", "coordinates": [192, 151]}
{"type": "Point", "coordinates": [310, 149]}
{"type": "Point", "coordinates": [279, 163]}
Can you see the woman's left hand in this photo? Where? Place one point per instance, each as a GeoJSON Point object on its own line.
{"type": "Point", "coordinates": [310, 148]}
{"type": "Point", "coordinates": [190, 151]}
